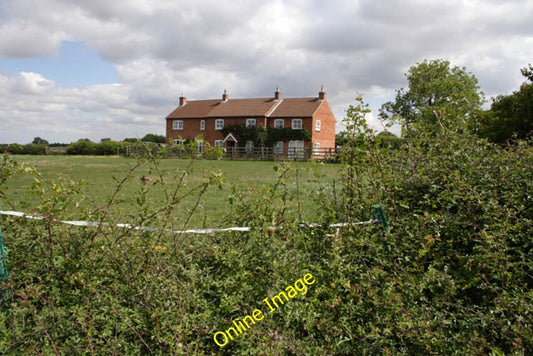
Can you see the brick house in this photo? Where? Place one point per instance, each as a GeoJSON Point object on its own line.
{"type": "Point", "coordinates": [307, 124]}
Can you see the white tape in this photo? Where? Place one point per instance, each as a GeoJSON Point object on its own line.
{"type": "Point", "coordinates": [147, 228]}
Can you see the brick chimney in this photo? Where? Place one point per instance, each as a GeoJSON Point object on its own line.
{"type": "Point", "coordinates": [183, 100]}
{"type": "Point", "coordinates": [225, 96]}
{"type": "Point", "coordinates": [277, 94]}
{"type": "Point", "coordinates": [322, 94]}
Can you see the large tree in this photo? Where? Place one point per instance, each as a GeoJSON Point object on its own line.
{"type": "Point", "coordinates": [39, 141]}
{"type": "Point", "coordinates": [438, 94]}
{"type": "Point", "coordinates": [510, 116]}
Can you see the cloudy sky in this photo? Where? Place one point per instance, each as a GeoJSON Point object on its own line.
{"type": "Point", "coordinates": [72, 69]}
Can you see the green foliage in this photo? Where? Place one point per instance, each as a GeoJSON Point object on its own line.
{"type": "Point", "coordinates": [211, 152]}
{"type": "Point", "coordinates": [106, 148]}
{"type": "Point", "coordinates": [528, 72]}
{"type": "Point", "coordinates": [154, 138]}
{"type": "Point", "coordinates": [388, 140]}
{"type": "Point", "coordinates": [82, 147]}
{"type": "Point", "coordinates": [39, 141]}
{"type": "Point", "coordinates": [510, 116]}
{"type": "Point", "coordinates": [461, 228]}
{"type": "Point", "coordinates": [451, 276]}
{"type": "Point", "coordinates": [29, 149]}
{"type": "Point", "coordinates": [341, 138]}
{"type": "Point", "coordinates": [86, 147]}
{"type": "Point", "coordinates": [287, 134]}
{"type": "Point", "coordinates": [438, 96]}
{"type": "Point", "coordinates": [264, 137]}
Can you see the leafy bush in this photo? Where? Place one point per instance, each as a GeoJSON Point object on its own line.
{"type": "Point", "coordinates": [35, 149]}
{"type": "Point", "coordinates": [106, 148]}
{"type": "Point", "coordinates": [211, 152]}
{"type": "Point", "coordinates": [452, 275]}
{"type": "Point", "coordinates": [82, 147]}
{"type": "Point", "coordinates": [15, 149]}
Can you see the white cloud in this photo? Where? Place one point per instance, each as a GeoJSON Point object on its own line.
{"type": "Point", "coordinates": [163, 48]}
{"type": "Point", "coordinates": [24, 39]}
{"type": "Point", "coordinates": [31, 106]}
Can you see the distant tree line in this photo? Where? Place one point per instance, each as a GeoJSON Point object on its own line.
{"type": "Point", "coordinates": [84, 146]}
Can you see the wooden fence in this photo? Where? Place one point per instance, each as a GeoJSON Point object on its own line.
{"type": "Point", "coordinates": [239, 153]}
{"type": "Point", "coordinates": [270, 153]}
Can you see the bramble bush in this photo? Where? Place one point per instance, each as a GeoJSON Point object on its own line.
{"type": "Point", "coordinates": [452, 275]}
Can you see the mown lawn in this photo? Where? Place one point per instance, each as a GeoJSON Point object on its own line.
{"type": "Point", "coordinates": [100, 177]}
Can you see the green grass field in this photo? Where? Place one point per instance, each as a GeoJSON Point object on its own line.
{"type": "Point", "coordinates": [101, 177]}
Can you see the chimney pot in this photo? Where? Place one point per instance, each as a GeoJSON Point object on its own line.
{"type": "Point", "coordinates": [225, 95]}
{"type": "Point", "coordinates": [183, 100]}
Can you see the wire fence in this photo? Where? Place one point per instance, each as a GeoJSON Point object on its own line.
{"type": "Point", "coordinates": [5, 293]}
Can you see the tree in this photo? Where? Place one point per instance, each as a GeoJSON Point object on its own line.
{"type": "Point", "coordinates": [39, 141]}
{"type": "Point", "coordinates": [341, 138]}
{"type": "Point", "coordinates": [510, 116]}
{"type": "Point", "coordinates": [154, 138]}
{"type": "Point", "coordinates": [437, 95]}
{"type": "Point", "coordinates": [528, 72]}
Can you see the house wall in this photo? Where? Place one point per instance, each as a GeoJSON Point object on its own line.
{"type": "Point", "coordinates": [191, 128]}
{"type": "Point", "coordinates": [326, 135]}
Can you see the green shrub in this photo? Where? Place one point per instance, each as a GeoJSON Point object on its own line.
{"type": "Point", "coordinates": [15, 149]}
{"type": "Point", "coordinates": [35, 149]}
{"type": "Point", "coordinates": [451, 276]}
{"type": "Point", "coordinates": [82, 147]}
{"type": "Point", "coordinates": [106, 148]}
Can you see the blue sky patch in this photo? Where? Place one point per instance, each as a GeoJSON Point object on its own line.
{"type": "Point", "coordinates": [76, 65]}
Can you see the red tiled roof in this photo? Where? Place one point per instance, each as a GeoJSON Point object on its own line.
{"type": "Point", "coordinates": [243, 107]}
{"type": "Point", "coordinates": [299, 107]}
{"type": "Point", "coordinates": [193, 109]}
{"type": "Point", "coordinates": [288, 107]}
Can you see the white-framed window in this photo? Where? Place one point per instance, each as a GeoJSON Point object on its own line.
{"type": "Point", "coordinates": [317, 125]}
{"type": "Point", "coordinates": [278, 148]}
{"type": "Point", "coordinates": [296, 149]}
{"type": "Point", "coordinates": [250, 122]}
{"type": "Point", "coordinates": [200, 146]}
{"type": "Point", "coordinates": [278, 123]}
{"type": "Point", "coordinates": [296, 124]}
{"type": "Point", "coordinates": [316, 148]}
{"type": "Point", "coordinates": [177, 125]}
{"type": "Point", "coordinates": [179, 142]}
{"type": "Point", "coordinates": [249, 146]}
{"type": "Point", "coordinates": [202, 125]}
{"type": "Point", "coordinates": [219, 124]}
{"type": "Point", "coordinates": [219, 143]}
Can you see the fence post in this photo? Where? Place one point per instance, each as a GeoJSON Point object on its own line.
{"type": "Point", "coordinates": [5, 295]}
{"type": "Point", "coordinates": [379, 215]}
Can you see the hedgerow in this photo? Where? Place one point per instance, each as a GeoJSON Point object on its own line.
{"type": "Point", "coordinates": [451, 275]}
